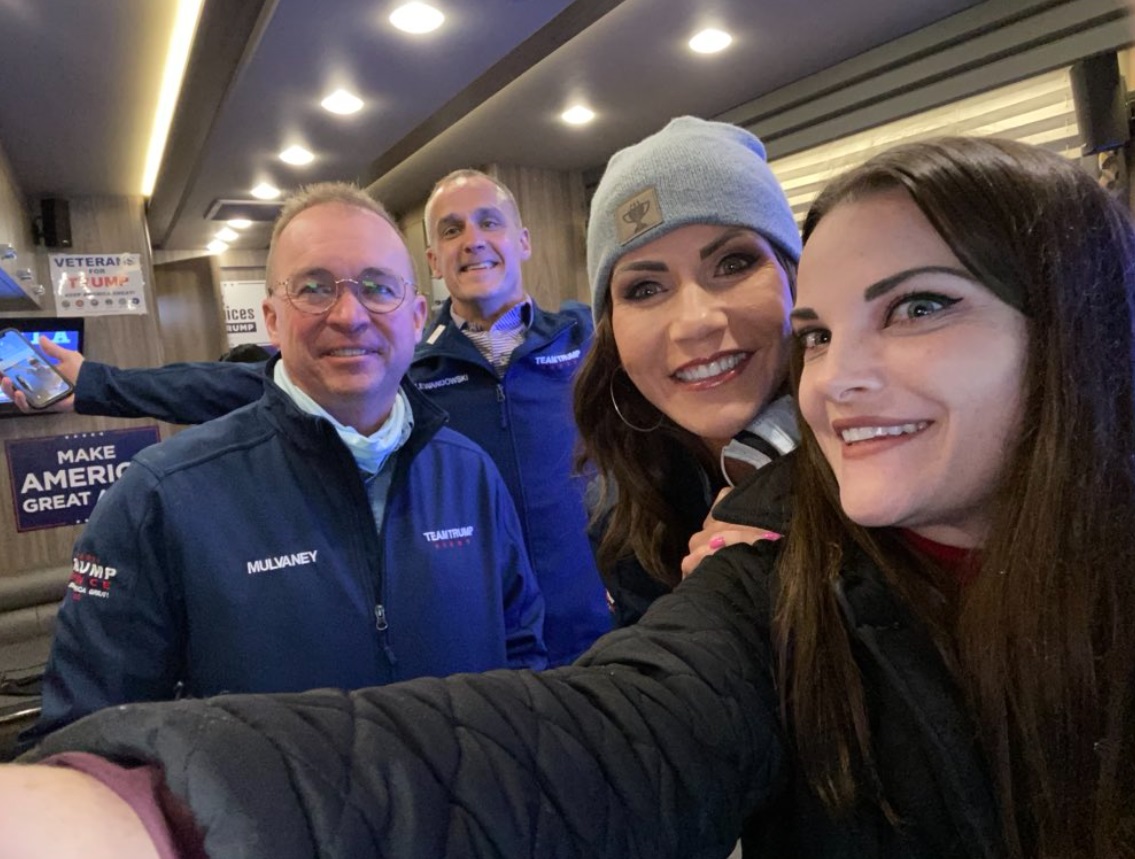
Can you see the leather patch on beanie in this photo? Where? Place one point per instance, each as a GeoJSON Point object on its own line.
{"type": "Point", "coordinates": [637, 215]}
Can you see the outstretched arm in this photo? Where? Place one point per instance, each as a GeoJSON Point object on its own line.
{"type": "Point", "coordinates": [189, 393]}
{"type": "Point", "coordinates": [657, 744]}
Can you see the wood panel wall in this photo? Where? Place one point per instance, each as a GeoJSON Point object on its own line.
{"type": "Point", "coordinates": [98, 224]}
{"type": "Point", "coordinates": [552, 207]}
{"type": "Point", "coordinates": [189, 303]}
{"type": "Point", "coordinates": [413, 226]}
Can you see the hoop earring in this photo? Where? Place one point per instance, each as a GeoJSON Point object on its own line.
{"type": "Point", "coordinates": [619, 412]}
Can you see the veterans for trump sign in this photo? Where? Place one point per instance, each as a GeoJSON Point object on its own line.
{"type": "Point", "coordinates": [98, 284]}
{"type": "Point", "coordinates": [57, 480]}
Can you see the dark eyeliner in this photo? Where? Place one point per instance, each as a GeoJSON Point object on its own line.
{"type": "Point", "coordinates": [926, 295]}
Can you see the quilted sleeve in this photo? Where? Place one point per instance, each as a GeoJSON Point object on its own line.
{"type": "Point", "coordinates": [656, 744]}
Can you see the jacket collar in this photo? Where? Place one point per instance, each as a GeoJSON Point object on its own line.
{"type": "Point", "coordinates": [314, 433]}
{"type": "Point", "coordinates": [443, 337]}
{"type": "Point", "coordinates": [762, 500]}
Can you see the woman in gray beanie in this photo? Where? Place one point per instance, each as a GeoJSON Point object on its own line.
{"type": "Point", "coordinates": [691, 252]}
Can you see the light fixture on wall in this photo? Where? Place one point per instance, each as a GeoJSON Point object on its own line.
{"type": "Point", "coordinates": [227, 235]}
{"type": "Point", "coordinates": [216, 247]}
{"type": "Point", "coordinates": [240, 223]}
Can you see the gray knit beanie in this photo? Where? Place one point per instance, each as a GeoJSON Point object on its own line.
{"type": "Point", "coordinates": [691, 172]}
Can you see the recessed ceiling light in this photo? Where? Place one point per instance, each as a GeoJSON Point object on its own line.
{"type": "Point", "coordinates": [227, 235]}
{"type": "Point", "coordinates": [416, 18]}
{"type": "Point", "coordinates": [264, 191]}
{"type": "Point", "coordinates": [343, 102]}
{"type": "Point", "coordinates": [578, 115]}
{"type": "Point", "coordinates": [296, 155]}
{"type": "Point", "coordinates": [216, 247]}
{"type": "Point", "coordinates": [240, 223]}
{"type": "Point", "coordinates": [710, 41]}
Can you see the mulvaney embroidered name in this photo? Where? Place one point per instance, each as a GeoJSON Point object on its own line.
{"type": "Point", "coordinates": [448, 534]}
{"type": "Point", "coordinates": [296, 559]}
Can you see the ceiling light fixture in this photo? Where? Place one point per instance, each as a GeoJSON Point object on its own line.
{"type": "Point", "coordinates": [264, 191]}
{"type": "Point", "coordinates": [416, 18]}
{"type": "Point", "coordinates": [577, 115]}
{"type": "Point", "coordinates": [216, 247]}
{"type": "Point", "coordinates": [296, 155]}
{"type": "Point", "coordinates": [227, 235]}
{"type": "Point", "coordinates": [240, 223]}
{"type": "Point", "coordinates": [184, 26]}
{"type": "Point", "coordinates": [710, 41]}
{"type": "Point", "coordinates": [342, 102]}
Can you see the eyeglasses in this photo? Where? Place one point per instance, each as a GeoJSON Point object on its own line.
{"type": "Point", "coordinates": [316, 292]}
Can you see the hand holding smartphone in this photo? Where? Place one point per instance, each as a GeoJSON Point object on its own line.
{"type": "Point", "coordinates": [30, 372]}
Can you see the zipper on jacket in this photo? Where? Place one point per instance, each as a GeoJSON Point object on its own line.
{"type": "Point", "coordinates": [500, 401]}
{"type": "Point", "coordinates": [381, 624]}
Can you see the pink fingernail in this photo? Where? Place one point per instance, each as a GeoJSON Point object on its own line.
{"type": "Point", "coordinates": [773, 536]}
{"type": "Point", "coordinates": [716, 542]}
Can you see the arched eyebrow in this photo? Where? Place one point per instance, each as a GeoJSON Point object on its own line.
{"type": "Point", "coordinates": [882, 287]}
{"type": "Point", "coordinates": [713, 246]}
{"type": "Point", "coordinates": [642, 265]}
{"type": "Point", "coordinates": [887, 284]}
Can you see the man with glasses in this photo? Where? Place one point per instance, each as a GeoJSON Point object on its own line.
{"type": "Point", "coordinates": [501, 366]}
{"type": "Point", "coordinates": [245, 555]}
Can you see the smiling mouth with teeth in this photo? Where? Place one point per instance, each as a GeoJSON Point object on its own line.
{"type": "Point", "coordinates": [701, 372]}
{"type": "Point", "coordinates": [479, 266]}
{"type": "Point", "coordinates": [858, 434]}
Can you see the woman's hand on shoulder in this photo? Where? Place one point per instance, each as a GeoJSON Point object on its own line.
{"type": "Point", "coordinates": [716, 535]}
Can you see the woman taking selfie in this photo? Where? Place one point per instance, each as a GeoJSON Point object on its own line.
{"type": "Point", "coordinates": [938, 660]}
{"type": "Point", "coordinates": [692, 252]}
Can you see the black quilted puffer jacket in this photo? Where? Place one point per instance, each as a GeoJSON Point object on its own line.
{"type": "Point", "coordinates": [663, 741]}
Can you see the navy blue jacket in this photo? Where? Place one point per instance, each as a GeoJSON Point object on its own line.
{"type": "Point", "coordinates": [242, 556]}
{"type": "Point", "coordinates": [522, 419]}
{"type": "Point", "coordinates": [664, 741]}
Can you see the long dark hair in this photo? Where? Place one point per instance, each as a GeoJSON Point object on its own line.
{"type": "Point", "coordinates": [1043, 642]}
{"type": "Point", "coordinates": [635, 467]}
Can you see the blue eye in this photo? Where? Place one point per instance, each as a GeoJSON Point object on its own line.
{"type": "Point", "coordinates": [915, 306]}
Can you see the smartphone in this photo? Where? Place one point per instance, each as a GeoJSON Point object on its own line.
{"type": "Point", "coordinates": [30, 371]}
